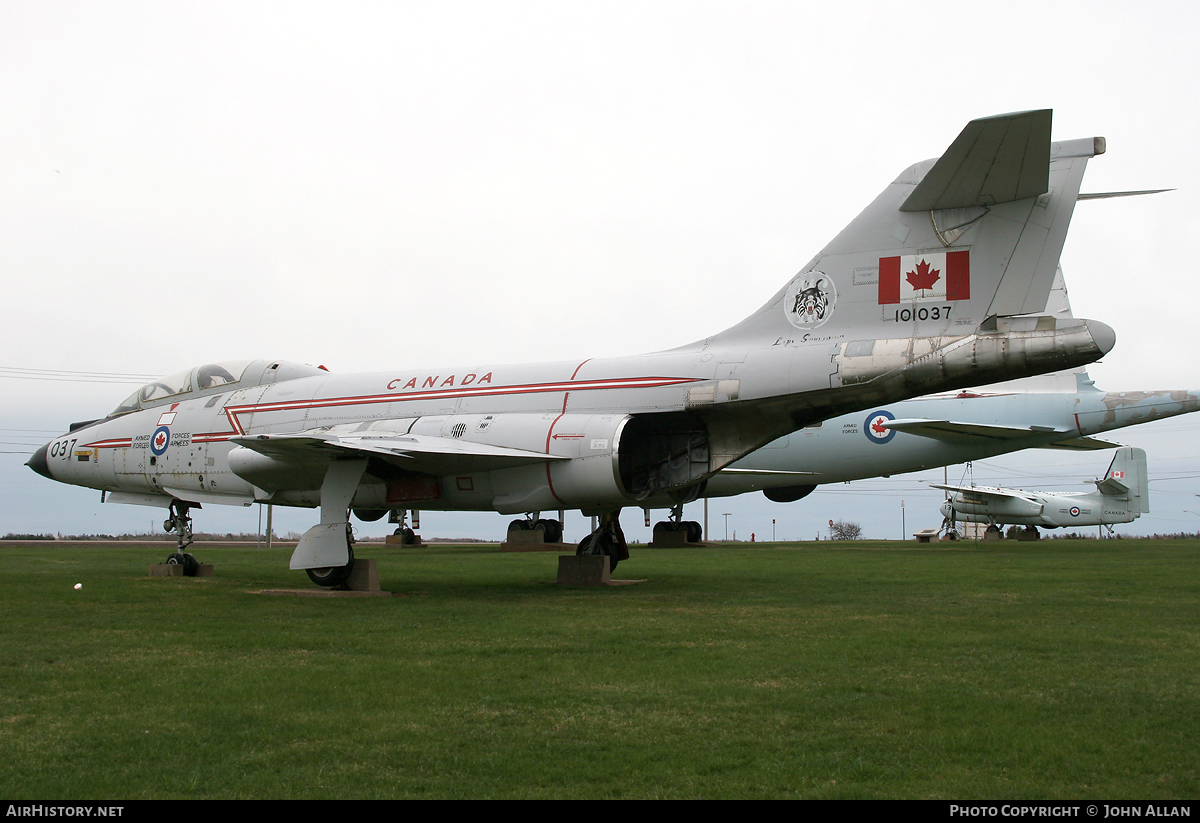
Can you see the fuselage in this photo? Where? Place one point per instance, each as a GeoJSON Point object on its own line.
{"type": "Point", "coordinates": [1040, 509]}
{"type": "Point", "coordinates": [592, 435]}
{"type": "Point", "coordinates": [860, 445]}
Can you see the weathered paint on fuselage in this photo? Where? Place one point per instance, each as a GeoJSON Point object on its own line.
{"type": "Point", "coordinates": [847, 448]}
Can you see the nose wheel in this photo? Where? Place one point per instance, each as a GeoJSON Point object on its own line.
{"type": "Point", "coordinates": [191, 566]}
{"type": "Point", "coordinates": [607, 540]}
{"type": "Point", "coordinates": [181, 524]}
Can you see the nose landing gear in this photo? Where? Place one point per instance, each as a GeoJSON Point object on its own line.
{"type": "Point", "coordinates": [180, 523]}
{"type": "Point", "coordinates": [608, 540]}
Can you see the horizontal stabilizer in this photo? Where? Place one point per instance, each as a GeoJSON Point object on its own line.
{"type": "Point", "coordinates": [993, 160]}
{"type": "Point", "coordinates": [418, 453]}
{"type": "Point", "coordinates": [1104, 195]}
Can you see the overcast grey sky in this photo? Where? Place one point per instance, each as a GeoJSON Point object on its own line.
{"type": "Point", "coordinates": [396, 185]}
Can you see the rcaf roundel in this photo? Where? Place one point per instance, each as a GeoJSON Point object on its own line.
{"type": "Point", "coordinates": [909, 278]}
{"type": "Point", "coordinates": [158, 442]}
{"type": "Point", "coordinates": [876, 427]}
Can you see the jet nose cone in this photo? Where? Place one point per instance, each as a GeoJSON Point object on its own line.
{"type": "Point", "coordinates": [39, 463]}
{"type": "Point", "coordinates": [1102, 335]}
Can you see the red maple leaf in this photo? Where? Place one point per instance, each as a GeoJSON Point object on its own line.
{"type": "Point", "coordinates": [877, 426]}
{"type": "Point", "coordinates": [924, 277]}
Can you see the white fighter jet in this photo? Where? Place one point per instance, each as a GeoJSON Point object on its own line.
{"type": "Point", "coordinates": [939, 284]}
{"type": "Point", "coordinates": [1120, 497]}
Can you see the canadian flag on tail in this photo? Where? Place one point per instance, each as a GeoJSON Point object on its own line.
{"type": "Point", "coordinates": [943, 275]}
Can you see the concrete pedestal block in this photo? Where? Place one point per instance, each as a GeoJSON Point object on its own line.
{"type": "Point", "coordinates": [529, 540]}
{"type": "Point", "coordinates": [583, 570]}
{"type": "Point", "coordinates": [174, 570]}
{"type": "Point", "coordinates": [364, 576]}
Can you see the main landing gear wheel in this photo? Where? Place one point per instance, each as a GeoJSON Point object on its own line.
{"type": "Point", "coordinates": [331, 576]}
{"type": "Point", "coordinates": [692, 530]}
{"type": "Point", "coordinates": [191, 566]}
{"type": "Point", "coordinates": [407, 536]}
{"type": "Point", "coordinates": [551, 529]}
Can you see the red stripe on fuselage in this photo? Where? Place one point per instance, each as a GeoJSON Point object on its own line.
{"type": "Point", "coordinates": [115, 443]}
{"type": "Point", "coordinates": [232, 412]}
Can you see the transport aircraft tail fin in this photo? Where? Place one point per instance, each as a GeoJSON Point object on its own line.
{"type": "Point", "coordinates": [1126, 478]}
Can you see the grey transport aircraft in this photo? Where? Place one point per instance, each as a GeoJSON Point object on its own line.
{"type": "Point", "coordinates": [1053, 411]}
{"type": "Point", "coordinates": [1120, 497]}
{"type": "Point", "coordinates": [940, 283]}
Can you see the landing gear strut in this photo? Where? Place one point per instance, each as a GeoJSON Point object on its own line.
{"type": "Point", "coordinates": [407, 536]}
{"type": "Point", "coordinates": [180, 523]}
{"type": "Point", "coordinates": [608, 540]}
{"type": "Point", "coordinates": [675, 523]}
{"type": "Point", "coordinates": [948, 529]}
{"type": "Point", "coordinates": [324, 551]}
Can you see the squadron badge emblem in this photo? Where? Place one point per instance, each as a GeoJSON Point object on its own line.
{"type": "Point", "coordinates": [809, 300]}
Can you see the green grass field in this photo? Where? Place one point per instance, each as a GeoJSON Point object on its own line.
{"type": "Point", "coordinates": [1059, 669]}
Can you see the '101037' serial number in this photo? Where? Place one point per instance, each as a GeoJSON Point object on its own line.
{"type": "Point", "coordinates": [923, 313]}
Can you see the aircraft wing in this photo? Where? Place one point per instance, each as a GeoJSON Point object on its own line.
{"type": "Point", "coordinates": [984, 492]}
{"type": "Point", "coordinates": [974, 433]}
{"type": "Point", "coordinates": [417, 453]}
{"type": "Point", "coordinates": [768, 472]}
{"type": "Point", "coordinates": [1081, 444]}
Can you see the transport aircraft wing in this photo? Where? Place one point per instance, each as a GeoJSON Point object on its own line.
{"type": "Point", "coordinates": [985, 491]}
{"type": "Point", "coordinates": [767, 472]}
{"type": "Point", "coordinates": [976, 433]}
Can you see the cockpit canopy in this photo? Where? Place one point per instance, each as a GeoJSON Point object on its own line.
{"type": "Point", "coordinates": [214, 378]}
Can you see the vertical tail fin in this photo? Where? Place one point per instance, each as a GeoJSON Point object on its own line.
{"type": "Point", "coordinates": [972, 235]}
{"type": "Point", "coordinates": [1126, 477]}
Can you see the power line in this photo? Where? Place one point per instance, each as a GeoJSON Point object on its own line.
{"type": "Point", "coordinates": [70, 375]}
